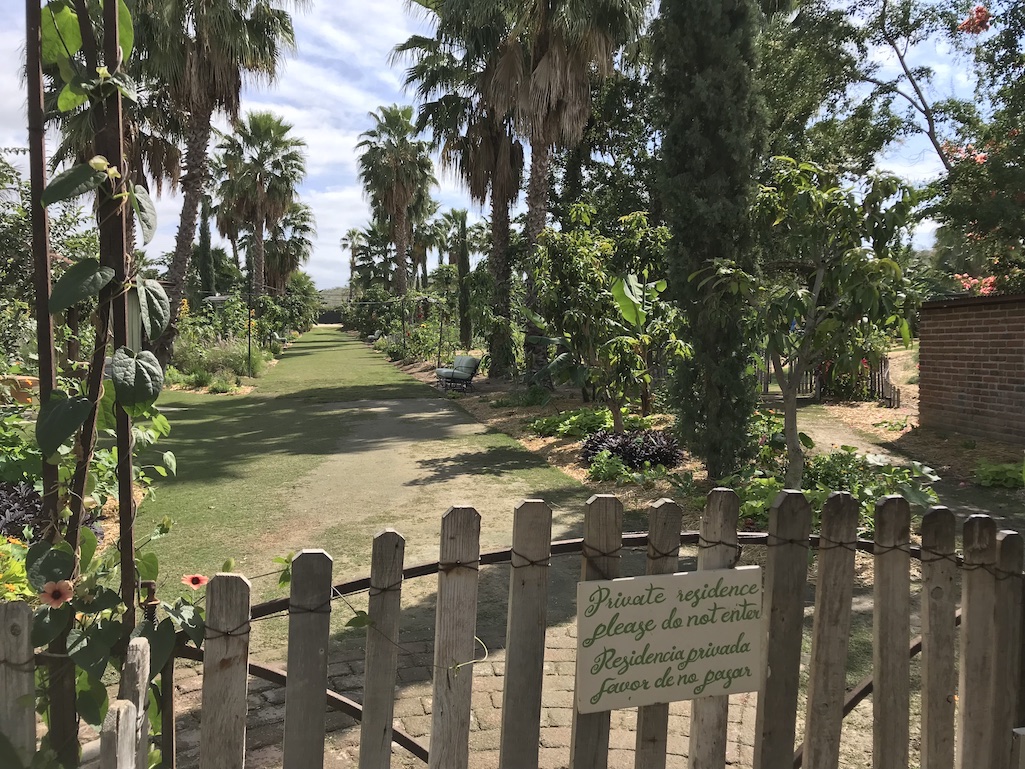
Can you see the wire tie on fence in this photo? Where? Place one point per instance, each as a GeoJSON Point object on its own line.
{"type": "Point", "coordinates": [324, 608]}
{"type": "Point", "coordinates": [375, 590]}
{"type": "Point", "coordinates": [825, 543]}
{"type": "Point", "coordinates": [240, 632]}
{"type": "Point", "coordinates": [654, 553]}
{"type": "Point", "coordinates": [445, 568]}
{"type": "Point", "coordinates": [525, 562]}
{"type": "Point", "coordinates": [593, 552]}
{"type": "Point", "coordinates": [22, 667]}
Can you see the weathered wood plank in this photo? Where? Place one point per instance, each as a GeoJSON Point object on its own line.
{"type": "Point", "coordinates": [603, 543]}
{"type": "Point", "coordinates": [830, 633]}
{"type": "Point", "coordinates": [454, 643]}
{"type": "Point", "coordinates": [1018, 748]}
{"type": "Point", "coordinates": [978, 604]}
{"type": "Point", "coordinates": [309, 630]}
{"type": "Point", "coordinates": [17, 678]}
{"type": "Point", "coordinates": [134, 688]}
{"type": "Point", "coordinates": [222, 743]}
{"type": "Point", "coordinates": [939, 607]}
{"type": "Point", "coordinates": [665, 519]}
{"type": "Point", "coordinates": [118, 744]}
{"type": "Point", "coordinates": [1007, 638]}
{"type": "Point", "coordinates": [382, 658]}
{"type": "Point", "coordinates": [525, 635]}
{"type": "Point", "coordinates": [718, 550]}
{"type": "Point", "coordinates": [786, 579]}
{"type": "Point", "coordinates": [891, 696]}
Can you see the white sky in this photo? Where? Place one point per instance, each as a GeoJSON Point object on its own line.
{"type": "Point", "coordinates": [338, 75]}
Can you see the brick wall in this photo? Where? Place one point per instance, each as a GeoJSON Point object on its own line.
{"type": "Point", "coordinates": [972, 367]}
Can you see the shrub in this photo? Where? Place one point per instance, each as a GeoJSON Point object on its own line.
{"type": "Point", "coordinates": [1007, 475]}
{"type": "Point", "coordinates": [605, 467]}
{"type": "Point", "coordinates": [21, 508]}
{"type": "Point", "coordinates": [582, 422]}
{"type": "Point", "coordinates": [637, 449]}
{"type": "Point", "coordinates": [220, 385]}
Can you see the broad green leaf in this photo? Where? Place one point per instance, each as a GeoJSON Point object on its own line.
{"type": "Point", "coordinates": [806, 440]}
{"type": "Point", "coordinates": [105, 418]}
{"type": "Point", "coordinates": [91, 700]}
{"type": "Point", "coordinates": [104, 600]}
{"type": "Point", "coordinates": [90, 648]}
{"type": "Point", "coordinates": [85, 279]}
{"type": "Point", "coordinates": [628, 301]}
{"type": "Point", "coordinates": [76, 181]}
{"type": "Point", "coordinates": [87, 547]}
{"type": "Point", "coordinates": [190, 619]}
{"type": "Point", "coordinates": [155, 307]}
{"type": "Point", "coordinates": [59, 419]}
{"type": "Point", "coordinates": [361, 619]}
{"type": "Point", "coordinates": [71, 97]}
{"type": "Point", "coordinates": [148, 566]}
{"type": "Point", "coordinates": [126, 86]}
{"type": "Point", "coordinates": [53, 566]}
{"type": "Point", "coordinates": [161, 643]}
{"type": "Point", "coordinates": [126, 31]}
{"type": "Point", "coordinates": [60, 35]}
{"type": "Point", "coordinates": [49, 623]}
{"type": "Point", "coordinates": [171, 463]}
{"type": "Point", "coordinates": [145, 212]}
{"type": "Point", "coordinates": [137, 379]}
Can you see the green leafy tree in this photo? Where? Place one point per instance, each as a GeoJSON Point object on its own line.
{"type": "Point", "coordinates": [710, 153]}
{"type": "Point", "coordinates": [395, 169]}
{"type": "Point", "coordinates": [264, 164]}
{"type": "Point", "coordinates": [830, 278]}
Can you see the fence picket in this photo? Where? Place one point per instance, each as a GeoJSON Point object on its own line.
{"type": "Point", "coordinates": [222, 742]}
{"type": "Point", "coordinates": [665, 520]}
{"type": "Point", "coordinates": [1018, 748]}
{"type": "Point", "coordinates": [833, 593]}
{"type": "Point", "coordinates": [978, 605]}
{"type": "Point", "coordinates": [454, 642]}
{"type": "Point", "coordinates": [603, 541]}
{"type": "Point", "coordinates": [134, 688]}
{"type": "Point", "coordinates": [891, 696]}
{"type": "Point", "coordinates": [525, 634]}
{"type": "Point", "coordinates": [786, 577]}
{"type": "Point", "coordinates": [717, 550]}
{"type": "Point", "coordinates": [1008, 616]}
{"type": "Point", "coordinates": [309, 630]}
{"type": "Point", "coordinates": [939, 673]}
{"type": "Point", "coordinates": [17, 679]}
{"type": "Point", "coordinates": [382, 658]}
{"type": "Point", "coordinates": [118, 737]}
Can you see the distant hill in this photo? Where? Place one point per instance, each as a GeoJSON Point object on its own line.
{"type": "Point", "coordinates": [332, 297]}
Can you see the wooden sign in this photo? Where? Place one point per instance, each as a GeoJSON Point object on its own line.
{"type": "Point", "coordinates": [645, 640]}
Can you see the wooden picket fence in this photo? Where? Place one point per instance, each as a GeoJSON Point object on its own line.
{"type": "Point", "coordinates": [980, 702]}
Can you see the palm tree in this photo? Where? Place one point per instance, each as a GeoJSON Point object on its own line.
{"type": "Point", "coordinates": [395, 169]}
{"type": "Point", "coordinates": [290, 245]}
{"type": "Point", "coordinates": [453, 73]}
{"type": "Point", "coordinates": [424, 236]}
{"type": "Point", "coordinates": [375, 262]}
{"type": "Point", "coordinates": [204, 50]}
{"type": "Point", "coordinates": [354, 241]}
{"type": "Point", "coordinates": [263, 166]}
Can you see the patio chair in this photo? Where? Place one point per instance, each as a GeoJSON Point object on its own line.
{"type": "Point", "coordinates": [460, 376]}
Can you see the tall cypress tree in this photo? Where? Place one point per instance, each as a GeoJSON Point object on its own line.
{"type": "Point", "coordinates": [711, 120]}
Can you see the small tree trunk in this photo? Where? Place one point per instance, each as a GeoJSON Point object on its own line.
{"type": "Point", "coordinates": [401, 277]}
{"type": "Point", "coordinates": [795, 452]}
{"type": "Point", "coordinates": [259, 267]}
{"type": "Point", "coordinates": [616, 407]}
{"type": "Point", "coordinates": [536, 353]}
{"type": "Point", "coordinates": [465, 324]}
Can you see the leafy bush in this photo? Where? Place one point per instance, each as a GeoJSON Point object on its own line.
{"type": "Point", "coordinates": [532, 396]}
{"type": "Point", "coordinates": [584, 421]}
{"type": "Point", "coordinates": [605, 467]}
{"type": "Point", "coordinates": [637, 449]}
{"type": "Point", "coordinates": [220, 385]}
{"type": "Point", "coordinates": [21, 508]}
{"type": "Point", "coordinates": [1006, 475]}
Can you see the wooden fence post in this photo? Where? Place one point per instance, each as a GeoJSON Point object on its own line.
{"type": "Point", "coordinates": [939, 607]}
{"type": "Point", "coordinates": [525, 635]}
{"type": "Point", "coordinates": [978, 604]}
{"type": "Point", "coordinates": [222, 743]}
{"type": "Point", "coordinates": [382, 658]}
{"type": "Point", "coordinates": [118, 743]}
{"type": "Point", "coordinates": [1006, 641]}
{"type": "Point", "coordinates": [309, 631]}
{"type": "Point", "coordinates": [454, 640]}
{"type": "Point", "coordinates": [1018, 748]}
{"type": "Point", "coordinates": [134, 688]}
{"type": "Point", "coordinates": [17, 679]}
{"type": "Point", "coordinates": [891, 695]}
{"type": "Point", "coordinates": [786, 580]}
{"type": "Point", "coordinates": [664, 523]}
{"type": "Point", "coordinates": [830, 633]}
{"type": "Point", "coordinates": [603, 543]}
{"type": "Point", "coordinates": [717, 550]}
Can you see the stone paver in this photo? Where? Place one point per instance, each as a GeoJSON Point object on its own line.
{"type": "Point", "coordinates": [413, 713]}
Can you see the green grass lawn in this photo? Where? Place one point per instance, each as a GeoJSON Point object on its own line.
{"type": "Point", "coordinates": [237, 453]}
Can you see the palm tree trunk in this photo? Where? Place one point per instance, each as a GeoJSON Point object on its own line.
{"type": "Point", "coordinates": [401, 279]}
{"type": "Point", "coordinates": [535, 354]}
{"type": "Point", "coordinates": [259, 271]}
{"type": "Point", "coordinates": [500, 346]}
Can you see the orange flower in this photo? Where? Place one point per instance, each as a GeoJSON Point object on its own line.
{"type": "Point", "coordinates": [195, 581]}
{"type": "Point", "coordinates": [56, 594]}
